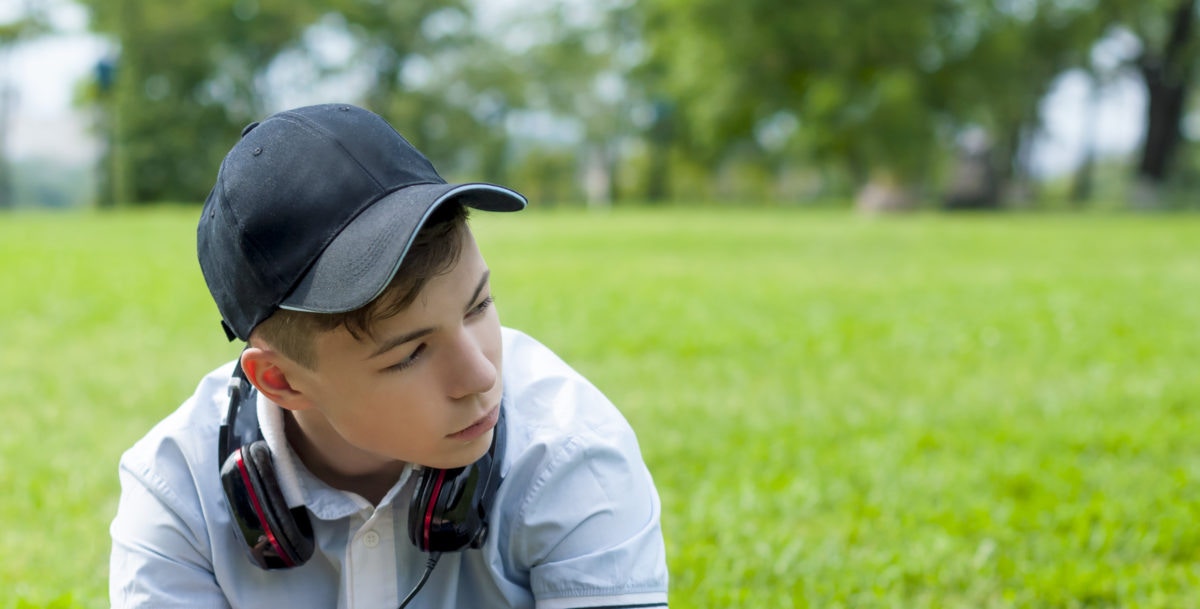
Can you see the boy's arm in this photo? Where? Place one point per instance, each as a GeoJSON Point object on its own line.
{"type": "Point", "coordinates": [590, 527]}
{"type": "Point", "coordinates": [159, 556]}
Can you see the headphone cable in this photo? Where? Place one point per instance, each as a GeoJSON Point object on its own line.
{"type": "Point", "coordinates": [429, 565]}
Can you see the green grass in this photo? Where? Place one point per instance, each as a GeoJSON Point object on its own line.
{"type": "Point", "coordinates": [978, 411]}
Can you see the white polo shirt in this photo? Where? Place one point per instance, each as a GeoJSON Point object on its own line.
{"type": "Point", "coordinates": [575, 521]}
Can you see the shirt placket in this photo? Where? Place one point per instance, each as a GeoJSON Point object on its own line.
{"type": "Point", "coordinates": [371, 561]}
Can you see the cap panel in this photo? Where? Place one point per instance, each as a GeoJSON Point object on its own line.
{"type": "Point", "coordinates": [234, 283]}
{"type": "Point", "coordinates": [369, 141]}
{"type": "Point", "coordinates": [295, 186]}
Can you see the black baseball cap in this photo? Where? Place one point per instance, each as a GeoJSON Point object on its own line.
{"type": "Point", "coordinates": [314, 209]}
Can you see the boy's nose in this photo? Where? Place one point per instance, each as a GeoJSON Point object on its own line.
{"type": "Point", "coordinates": [471, 371]}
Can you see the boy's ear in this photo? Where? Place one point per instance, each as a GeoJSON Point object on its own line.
{"type": "Point", "coordinates": [268, 371]}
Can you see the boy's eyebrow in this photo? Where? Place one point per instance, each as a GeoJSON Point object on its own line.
{"type": "Point", "coordinates": [396, 341]}
{"type": "Point", "coordinates": [478, 289]}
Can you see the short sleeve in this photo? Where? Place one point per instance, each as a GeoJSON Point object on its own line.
{"type": "Point", "coordinates": [589, 526]}
{"type": "Point", "coordinates": [158, 554]}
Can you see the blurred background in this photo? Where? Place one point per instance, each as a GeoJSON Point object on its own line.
{"type": "Point", "coordinates": [926, 409]}
{"type": "Point", "coordinates": [947, 104]}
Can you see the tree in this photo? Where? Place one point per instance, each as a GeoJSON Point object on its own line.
{"type": "Point", "coordinates": [580, 73]}
{"type": "Point", "coordinates": [1166, 61]}
{"type": "Point", "coordinates": [880, 89]}
{"type": "Point", "coordinates": [186, 82]}
{"type": "Point", "coordinates": [192, 73]}
{"type": "Point", "coordinates": [848, 72]}
{"type": "Point", "coordinates": [1168, 68]}
{"type": "Point", "coordinates": [999, 80]}
{"type": "Point", "coordinates": [425, 67]}
{"type": "Point", "coordinates": [483, 97]}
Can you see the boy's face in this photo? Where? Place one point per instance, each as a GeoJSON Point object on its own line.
{"type": "Point", "coordinates": [424, 389]}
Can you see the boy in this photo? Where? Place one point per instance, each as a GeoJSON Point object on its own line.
{"type": "Point", "coordinates": [377, 395]}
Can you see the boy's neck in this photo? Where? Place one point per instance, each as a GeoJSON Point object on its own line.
{"type": "Point", "coordinates": [370, 480]}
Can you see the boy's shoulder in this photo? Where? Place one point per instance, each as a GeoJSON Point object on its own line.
{"type": "Point", "coordinates": [550, 405]}
{"type": "Point", "coordinates": [577, 496]}
{"type": "Point", "coordinates": [550, 396]}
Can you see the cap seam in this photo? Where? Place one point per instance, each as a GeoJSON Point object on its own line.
{"type": "Point", "coordinates": [236, 223]}
{"type": "Point", "coordinates": [313, 127]}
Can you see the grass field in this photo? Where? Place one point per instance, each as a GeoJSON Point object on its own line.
{"type": "Point", "coordinates": [982, 411]}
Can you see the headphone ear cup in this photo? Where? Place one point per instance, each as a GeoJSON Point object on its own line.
{"type": "Point", "coordinates": [422, 507]}
{"type": "Point", "coordinates": [449, 509]}
{"type": "Point", "coordinates": [291, 529]}
{"type": "Point", "coordinates": [248, 507]}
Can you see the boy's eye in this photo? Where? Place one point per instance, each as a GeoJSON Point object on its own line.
{"type": "Point", "coordinates": [410, 360]}
{"type": "Point", "coordinates": [481, 307]}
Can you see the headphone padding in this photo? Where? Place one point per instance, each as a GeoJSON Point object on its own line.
{"type": "Point", "coordinates": [293, 534]}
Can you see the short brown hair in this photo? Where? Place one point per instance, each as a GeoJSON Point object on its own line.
{"type": "Point", "coordinates": [434, 250]}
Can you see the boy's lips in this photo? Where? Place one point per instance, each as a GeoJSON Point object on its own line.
{"type": "Point", "coordinates": [479, 427]}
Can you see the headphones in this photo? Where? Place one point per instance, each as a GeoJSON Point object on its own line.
{"type": "Point", "coordinates": [447, 511]}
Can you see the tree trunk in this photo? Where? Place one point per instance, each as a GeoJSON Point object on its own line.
{"type": "Point", "coordinates": [1167, 77]}
{"type": "Point", "coordinates": [660, 138]}
{"type": "Point", "coordinates": [1164, 112]}
{"type": "Point", "coordinates": [1083, 184]}
{"type": "Point", "coordinates": [658, 173]}
{"type": "Point", "coordinates": [6, 187]}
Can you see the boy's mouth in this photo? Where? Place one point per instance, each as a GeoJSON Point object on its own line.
{"type": "Point", "coordinates": [479, 427]}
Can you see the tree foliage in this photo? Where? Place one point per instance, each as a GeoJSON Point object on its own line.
{"type": "Point", "coordinates": [864, 88]}
{"type": "Point", "coordinates": [873, 85]}
{"type": "Point", "coordinates": [1167, 63]}
{"type": "Point", "coordinates": [186, 80]}
{"type": "Point", "coordinates": [191, 74]}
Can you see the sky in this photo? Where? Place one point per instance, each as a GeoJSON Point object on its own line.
{"type": "Point", "coordinates": [40, 78]}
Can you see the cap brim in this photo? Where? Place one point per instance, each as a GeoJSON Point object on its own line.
{"type": "Point", "coordinates": [360, 262]}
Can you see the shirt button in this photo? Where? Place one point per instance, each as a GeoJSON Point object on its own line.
{"type": "Point", "coordinates": [371, 539]}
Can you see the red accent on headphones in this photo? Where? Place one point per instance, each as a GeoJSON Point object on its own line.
{"type": "Point", "coordinates": [241, 463]}
{"type": "Point", "coordinates": [437, 490]}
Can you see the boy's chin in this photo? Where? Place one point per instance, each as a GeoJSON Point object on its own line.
{"type": "Point", "coordinates": [470, 452]}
